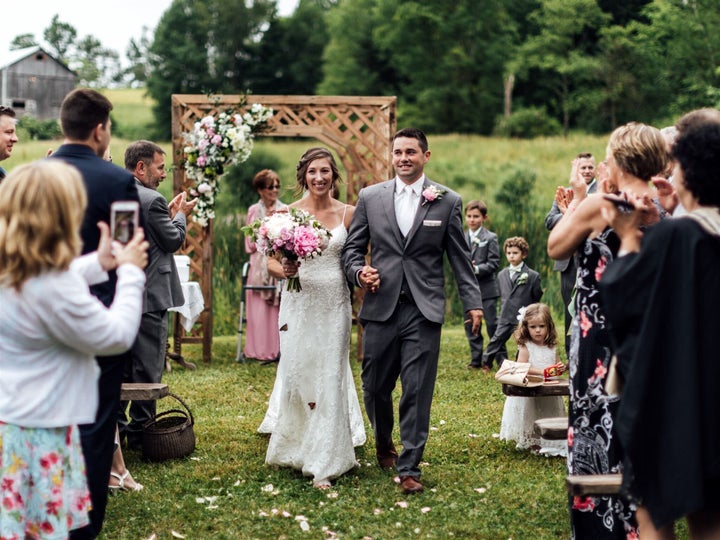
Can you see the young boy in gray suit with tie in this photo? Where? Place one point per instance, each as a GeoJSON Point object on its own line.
{"type": "Point", "coordinates": [519, 287]}
{"type": "Point", "coordinates": [485, 256]}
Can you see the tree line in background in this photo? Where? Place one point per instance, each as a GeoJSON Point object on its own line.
{"type": "Point", "coordinates": [521, 68]}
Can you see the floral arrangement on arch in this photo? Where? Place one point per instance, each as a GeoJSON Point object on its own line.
{"type": "Point", "coordinates": [215, 143]}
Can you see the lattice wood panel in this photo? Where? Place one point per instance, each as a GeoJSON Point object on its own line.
{"type": "Point", "coordinates": [358, 128]}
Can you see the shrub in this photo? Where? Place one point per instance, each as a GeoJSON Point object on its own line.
{"type": "Point", "coordinates": [39, 130]}
{"type": "Point", "coordinates": [527, 123]}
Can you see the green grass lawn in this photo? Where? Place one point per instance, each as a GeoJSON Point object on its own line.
{"type": "Point", "coordinates": [477, 486]}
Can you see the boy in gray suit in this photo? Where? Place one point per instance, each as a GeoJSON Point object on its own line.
{"type": "Point", "coordinates": [519, 287]}
{"type": "Point", "coordinates": [485, 256]}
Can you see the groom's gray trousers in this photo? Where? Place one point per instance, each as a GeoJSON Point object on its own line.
{"type": "Point", "coordinates": [406, 344]}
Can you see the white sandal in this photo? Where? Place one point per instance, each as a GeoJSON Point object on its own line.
{"type": "Point", "coordinates": [121, 483]}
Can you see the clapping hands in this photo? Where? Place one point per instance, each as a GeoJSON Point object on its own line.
{"type": "Point", "coordinates": [180, 203]}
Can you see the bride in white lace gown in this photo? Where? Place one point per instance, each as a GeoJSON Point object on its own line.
{"type": "Point", "coordinates": [314, 415]}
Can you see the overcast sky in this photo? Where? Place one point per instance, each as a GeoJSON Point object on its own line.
{"type": "Point", "coordinates": [113, 22]}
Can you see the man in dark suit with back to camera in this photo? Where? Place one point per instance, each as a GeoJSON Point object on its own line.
{"type": "Point", "coordinates": [165, 227]}
{"type": "Point", "coordinates": [86, 126]}
{"type": "Point", "coordinates": [408, 224]}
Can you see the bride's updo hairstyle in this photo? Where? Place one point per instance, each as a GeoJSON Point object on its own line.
{"type": "Point", "coordinates": [317, 152]}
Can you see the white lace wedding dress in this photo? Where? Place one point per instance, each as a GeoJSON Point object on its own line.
{"type": "Point", "coordinates": [314, 416]}
{"type": "Point", "coordinates": [520, 413]}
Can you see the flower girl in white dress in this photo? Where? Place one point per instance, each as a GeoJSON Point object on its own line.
{"type": "Point", "coordinates": [537, 343]}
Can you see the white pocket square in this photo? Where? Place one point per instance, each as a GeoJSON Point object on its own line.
{"type": "Point", "coordinates": [431, 223]}
{"type": "Point", "coordinates": [483, 243]}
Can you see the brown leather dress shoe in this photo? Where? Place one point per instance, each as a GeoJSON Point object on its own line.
{"type": "Point", "coordinates": [387, 458]}
{"type": "Point", "coordinates": [410, 485]}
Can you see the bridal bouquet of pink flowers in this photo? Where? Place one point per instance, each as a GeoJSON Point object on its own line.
{"type": "Point", "coordinates": [294, 235]}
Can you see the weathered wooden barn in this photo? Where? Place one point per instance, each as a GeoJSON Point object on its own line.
{"type": "Point", "coordinates": [33, 82]}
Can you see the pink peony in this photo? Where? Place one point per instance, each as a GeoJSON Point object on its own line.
{"type": "Point", "coordinates": [306, 242]}
{"type": "Point", "coordinates": [201, 161]}
{"type": "Point", "coordinates": [204, 188]}
{"type": "Point", "coordinates": [217, 139]}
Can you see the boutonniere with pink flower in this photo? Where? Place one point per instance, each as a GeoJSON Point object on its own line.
{"type": "Point", "coordinates": [431, 193]}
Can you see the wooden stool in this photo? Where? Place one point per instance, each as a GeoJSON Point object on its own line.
{"type": "Point", "coordinates": [554, 429]}
{"type": "Point", "coordinates": [594, 484]}
{"type": "Point", "coordinates": [143, 391]}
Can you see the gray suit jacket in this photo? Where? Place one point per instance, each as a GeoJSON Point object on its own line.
{"type": "Point", "coordinates": [485, 257]}
{"type": "Point", "coordinates": [437, 230]}
{"type": "Point", "coordinates": [516, 295]}
{"type": "Point", "coordinates": [166, 236]}
{"type": "Point", "coordinates": [553, 216]}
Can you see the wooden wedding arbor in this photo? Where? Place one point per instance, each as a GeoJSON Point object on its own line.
{"type": "Point", "coordinates": [358, 129]}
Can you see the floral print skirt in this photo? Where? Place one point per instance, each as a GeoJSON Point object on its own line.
{"type": "Point", "coordinates": [43, 487]}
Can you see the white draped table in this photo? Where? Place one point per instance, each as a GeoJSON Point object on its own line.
{"type": "Point", "coordinates": [193, 306]}
{"type": "Point", "coordinates": [187, 316]}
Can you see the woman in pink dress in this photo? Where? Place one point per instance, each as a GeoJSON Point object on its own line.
{"type": "Point", "coordinates": [262, 339]}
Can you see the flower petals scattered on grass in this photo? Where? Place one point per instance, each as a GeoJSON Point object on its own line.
{"type": "Point", "coordinates": [480, 490]}
{"type": "Point", "coordinates": [425, 509]}
{"type": "Point", "coordinates": [332, 495]}
{"type": "Point", "coordinates": [267, 488]}
{"type": "Point", "coordinates": [176, 534]}
{"type": "Point", "coordinates": [401, 504]}
{"type": "Point", "coordinates": [304, 525]}
{"type": "Point", "coordinates": [473, 435]}
{"type": "Point", "coordinates": [377, 511]}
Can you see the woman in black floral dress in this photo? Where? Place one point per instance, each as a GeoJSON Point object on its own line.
{"type": "Point", "coordinates": [635, 153]}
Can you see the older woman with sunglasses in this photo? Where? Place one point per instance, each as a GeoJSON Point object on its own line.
{"type": "Point", "coordinates": [262, 340]}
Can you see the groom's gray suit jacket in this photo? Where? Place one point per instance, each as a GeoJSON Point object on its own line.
{"type": "Point", "coordinates": [419, 257]}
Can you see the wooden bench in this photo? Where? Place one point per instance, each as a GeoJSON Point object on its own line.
{"type": "Point", "coordinates": [593, 484]}
{"type": "Point", "coordinates": [560, 387]}
{"type": "Point", "coordinates": [143, 391]}
{"type": "Point", "coordinates": [553, 429]}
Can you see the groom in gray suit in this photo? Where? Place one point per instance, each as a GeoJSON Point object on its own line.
{"type": "Point", "coordinates": [165, 228]}
{"type": "Point", "coordinates": [408, 224]}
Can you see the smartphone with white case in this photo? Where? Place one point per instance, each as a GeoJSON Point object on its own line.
{"type": "Point", "coordinates": [124, 220]}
